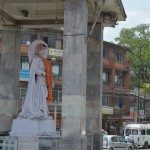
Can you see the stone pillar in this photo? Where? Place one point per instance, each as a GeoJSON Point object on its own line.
{"type": "Point", "coordinates": [9, 75]}
{"type": "Point", "coordinates": [94, 88]}
{"type": "Point", "coordinates": [74, 73]}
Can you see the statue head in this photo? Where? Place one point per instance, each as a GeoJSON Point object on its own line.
{"type": "Point", "coordinates": [44, 52]}
{"type": "Point", "coordinates": [35, 47]}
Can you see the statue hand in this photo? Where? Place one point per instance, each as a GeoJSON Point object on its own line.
{"type": "Point", "coordinates": [40, 72]}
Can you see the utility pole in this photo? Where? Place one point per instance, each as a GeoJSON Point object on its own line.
{"type": "Point", "coordinates": [138, 119]}
{"type": "Point", "coordinates": [138, 107]}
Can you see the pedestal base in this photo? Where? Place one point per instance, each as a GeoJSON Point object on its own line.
{"type": "Point", "coordinates": [33, 128]}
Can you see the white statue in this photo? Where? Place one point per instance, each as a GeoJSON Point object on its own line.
{"type": "Point", "coordinates": [33, 120]}
{"type": "Point", "coordinates": [35, 104]}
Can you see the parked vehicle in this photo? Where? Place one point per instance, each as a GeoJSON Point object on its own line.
{"type": "Point", "coordinates": [104, 132]}
{"type": "Point", "coordinates": [140, 133]}
{"type": "Point", "coordinates": [116, 142]}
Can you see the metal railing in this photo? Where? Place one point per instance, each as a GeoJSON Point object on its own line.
{"type": "Point", "coordinates": [10, 143]}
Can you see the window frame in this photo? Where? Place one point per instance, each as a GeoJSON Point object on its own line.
{"type": "Point", "coordinates": [118, 56]}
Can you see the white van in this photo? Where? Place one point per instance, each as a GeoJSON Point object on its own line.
{"type": "Point", "coordinates": [140, 133]}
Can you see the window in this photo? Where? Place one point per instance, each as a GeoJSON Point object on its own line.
{"type": "Point", "coordinates": [57, 95]}
{"type": "Point", "coordinates": [60, 96]}
{"type": "Point", "coordinates": [22, 93]}
{"type": "Point", "coordinates": [119, 102]}
{"type": "Point", "coordinates": [59, 44]}
{"type": "Point", "coordinates": [134, 132]}
{"type": "Point", "coordinates": [142, 132]}
{"type": "Point", "coordinates": [60, 70]}
{"type": "Point", "coordinates": [105, 100]}
{"type": "Point", "coordinates": [120, 139]}
{"type": "Point", "coordinates": [28, 37]}
{"type": "Point", "coordinates": [132, 104]}
{"type": "Point", "coordinates": [105, 53]}
{"type": "Point", "coordinates": [120, 78]}
{"type": "Point", "coordinates": [128, 131]}
{"type": "Point", "coordinates": [106, 76]}
{"type": "Point", "coordinates": [118, 56]}
{"type": "Point", "coordinates": [52, 42]}
{"type": "Point", "coordinates": [114, 139]}
{"type": "Point", "coordinates": [148, 131]}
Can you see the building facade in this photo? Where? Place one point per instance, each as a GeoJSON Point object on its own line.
{"type": "Point", "coordinates": [116, 87]}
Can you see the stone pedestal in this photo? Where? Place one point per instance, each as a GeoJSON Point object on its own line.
{"type": "Point", "coordinates": [33, 128]}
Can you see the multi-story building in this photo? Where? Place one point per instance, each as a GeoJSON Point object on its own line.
{"type": "Point", "coordinates": [116, 78]}
{"type": "Point", "coordinates": [116, 87]}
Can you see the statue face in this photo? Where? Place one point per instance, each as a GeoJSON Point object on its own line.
{"type": "Point", "coordinates": [38, 48]}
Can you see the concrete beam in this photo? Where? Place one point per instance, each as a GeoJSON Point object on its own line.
{"type": "Point", "coordinates": [40, 22]}
{"type": "Point", "coordinates": [29, 1]}
{"type": "Point", "coordinates": [7, 17]}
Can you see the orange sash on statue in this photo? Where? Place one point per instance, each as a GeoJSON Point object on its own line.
{"type": "Point", "coordinates": [48, 70]}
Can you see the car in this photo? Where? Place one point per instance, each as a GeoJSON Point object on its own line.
{"type": "Point", "coordinates": [104, 132]}
{"type": "Point", "coordinates": [116, 142]}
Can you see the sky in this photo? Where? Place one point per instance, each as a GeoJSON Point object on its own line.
{"type": "Point", "coordinates": [137, 11]}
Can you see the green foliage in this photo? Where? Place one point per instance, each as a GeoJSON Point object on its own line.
{"type": "Point", "coordinates": [137, 39]}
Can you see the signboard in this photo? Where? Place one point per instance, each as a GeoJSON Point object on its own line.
{"type": "Point", "coordinates": [127, 120]}
{"type": "Point", "coordinates": [24, 75]}
{"type": "Point", "coordinates": [55, 52]}
{"type": "Point", "coordinates": [107, 110]}
{"type": "Point", "coordinates": [141, 112]}
{"type": "Point", "coordinates": [133, 111]}
{"type": "Point", "coordinates": [55, 70]}
{"type": "Point", "coordinates": [25, 65]}
{"type": "Point", "coordinates": [24, 72]}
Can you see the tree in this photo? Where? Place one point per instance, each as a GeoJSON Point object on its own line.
{"type": "Point", "coordinates": [137, 39]}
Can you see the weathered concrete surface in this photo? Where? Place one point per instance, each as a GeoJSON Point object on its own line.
{"type": "Point", "coordinates": [9, 75]}
{"type": "Point", "coordinates": [94, 87]}
{"type": "Point", "coordinates": [74, 74]}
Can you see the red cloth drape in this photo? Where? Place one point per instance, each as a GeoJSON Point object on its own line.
{"type": "Point", "coordinates": [49, 77]}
